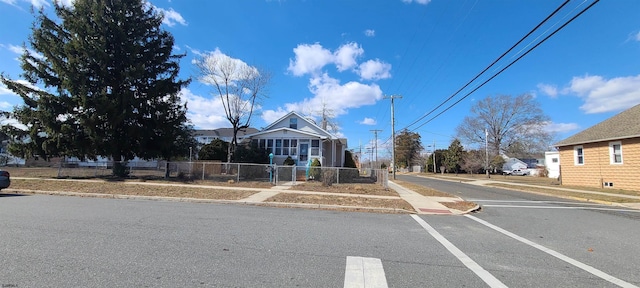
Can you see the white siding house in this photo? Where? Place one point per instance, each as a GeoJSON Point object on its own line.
{"type": "Point", "coordinates": [294, 135]}
{"type": "Point", "coordinates": [552, 163]}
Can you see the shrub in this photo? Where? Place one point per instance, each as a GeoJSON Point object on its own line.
{"type": "Point", "coordinates": [348, 160]}
{"type": "Point", "coordinates": [120, 169]}
{"type": "Point", "coordinates": [251, 153]}
{"type": "Point", "coordinates": [314, 170]}
{"type": "Point", "coordinates": [216, 150]}
{"type": "Point", "coordinates": [289, 161]}
{"type": "Point", "coordinates": [328, 177]}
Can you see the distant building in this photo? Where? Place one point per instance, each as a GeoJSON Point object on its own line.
{"type": "Point", "coordinates": [225, 134]}
{"type": "Point", "coordinates": [552, 163]}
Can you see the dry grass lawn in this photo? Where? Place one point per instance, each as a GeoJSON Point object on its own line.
{"type": "Point", "coordinates": [360, 189]}
{"type": "Point", "coordinates": [342, 201]}
{"type": "Point", "coordinates": [122, 188]}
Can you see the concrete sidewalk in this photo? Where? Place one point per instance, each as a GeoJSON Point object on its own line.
{"type": "Point", "coordinates": [421, 204]}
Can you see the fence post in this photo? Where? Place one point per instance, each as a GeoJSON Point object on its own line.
{"type": "Point", "coordinates": [60, 167]}
{"type": "Point", "coordinates": [202, 170]}
{"type": "Point", "coordinates": [238, 173]}
{"type": "Point", "coordinates": [294, 174]}
{"type": "Point", "coordinates": [337, 175]}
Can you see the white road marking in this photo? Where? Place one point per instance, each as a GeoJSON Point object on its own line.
{"type": "Point", "coordinates": [362, 272]}
{"type": "Point", "coordinates": [534, 201]}
{"type": "Point", "coordinates": [558, 255]}
{"type": "Point", "coordinates": [561, 207]}
{"type": "Point", "coordinates": [487, 277]}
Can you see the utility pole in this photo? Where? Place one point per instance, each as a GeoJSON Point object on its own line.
{"type": "Point", "coordinates": [486, 149]}
{"type": "Point", "coordinates": [434, 157]}
{"type": "Point", "coordinates": [393, 134]}
{"type": "Point", "coordinates": [375, 133]}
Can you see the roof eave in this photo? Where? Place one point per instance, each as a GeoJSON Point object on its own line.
{"type": "Point", "coordinates": [559, 144]}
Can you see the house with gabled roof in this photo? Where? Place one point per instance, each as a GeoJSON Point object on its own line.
{"type": "Point", "coordinates": [604, 155]}
{"type": "Point", "coordinates": [300, 138]}
{"type": "Point", "coordinates": [225, 134]}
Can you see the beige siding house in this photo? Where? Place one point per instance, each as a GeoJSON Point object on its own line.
{"type": "Point", "coordinates": [301, 139]}
{"type": "Point", "coordinates": [606, 155]}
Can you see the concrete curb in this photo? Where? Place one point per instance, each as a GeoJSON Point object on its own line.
{"type": "Point", "coordinates": [218, 201]}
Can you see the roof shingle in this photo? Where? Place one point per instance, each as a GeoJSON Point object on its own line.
{"type": "Point", "coordinates": [624, 125]}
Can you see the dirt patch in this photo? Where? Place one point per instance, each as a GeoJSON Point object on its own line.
{"type": "Point", "coordinates": [121, 188]}
{"type": "Point", "coordinates": [460, 205]}
{"type": "Point", "coordinates": [341, 201]}
{"type": "Point", "coordinates": [361, 189]}
{"type": "Point", "coordinates": [422, 190]}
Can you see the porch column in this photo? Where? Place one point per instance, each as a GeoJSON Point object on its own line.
{"type": "Point", "coordinates": [333, 153]}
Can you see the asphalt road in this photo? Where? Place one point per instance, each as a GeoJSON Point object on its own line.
{"type": "Point", "coordinates": [58, 241]}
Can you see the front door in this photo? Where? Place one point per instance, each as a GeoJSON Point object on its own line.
{"type": "Point", "coordinates": [304, 154]}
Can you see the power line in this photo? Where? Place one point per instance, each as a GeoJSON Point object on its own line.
{"type": "Point", "coordinates": [506, 67]}
{"type": "Point", "coordinates": [492, 64]}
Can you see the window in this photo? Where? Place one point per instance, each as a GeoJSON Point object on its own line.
{"type": "Point", "coordinates": [578, 154]}
{"type": "Point", "coordinates": [554, 160]}
{"type": "Point", "coordinates": [615, 152]}
{"type": "Point", "coordinates": [285, 147]}
{"type": "Point", "coordinates": [315, 147]}
{"type": "Point", "coordinates": [293, 123]}
{"type": "Point", "coordinates": [270, 145]}
{"type": "Point", "coordinates": [278, 147]}
{"type": "Point", "coordinates": [294, 147]}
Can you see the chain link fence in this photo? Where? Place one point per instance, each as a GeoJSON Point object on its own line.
{"type": "Point", "coordinates": [226, 172]}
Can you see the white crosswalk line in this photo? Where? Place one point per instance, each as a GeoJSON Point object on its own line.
{"type": "Point", "coordinates": [361, 272]}
{"type": "Point", "coordinates": [487, 277]}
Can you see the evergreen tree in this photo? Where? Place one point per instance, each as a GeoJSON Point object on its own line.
{"type": "Point", "coordinates": [110, 85]}
{"type": "Point", "coordinates": [216, 150]}
{"type": "Point", "coordinates": [408, 147]}
{"type": "Point", "coordinates": [453, 156]}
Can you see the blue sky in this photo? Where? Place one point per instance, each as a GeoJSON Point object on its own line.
{"type": "Point", "coordinates": [349, 55]}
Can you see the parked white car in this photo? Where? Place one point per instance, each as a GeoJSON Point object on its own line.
{"type": "Point", "coordinates": [516, 172]}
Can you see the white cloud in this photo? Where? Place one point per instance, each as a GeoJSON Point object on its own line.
{"type": "Point", "coordinates": [637, 37]}
{"type": "Point", "coordinates": [171, 17]}
{"type": "Point", "coordinates": [65, 3]}
{"type": "Point", "coordinates": [39, 3]}
{"type": "Point", "coordinates": [423, 2]}
{"type": "Point", "coordinates": [548, 89]}
{"type": "Point", "coordinates": [270, 116]}
{"type": "Point", "coordinates": [374, 70]}
{"type": "Point", "coordinates": [10, 2]}
{"type": "Point", "coordinates": [561, 127]}
{"type": "Point", "coordinates": [309, 59]}
{"type": "Point", "coordinates": [4, 105]}
{"type": "Point", "coordinates": [213, 60]}
{"type": "Point", "coordinates": [370, 33]}
{"type": "Point", "coordinates": [329, 94]}
{"type": "Point", "coordinates": [605, 95]}
{"type": "Point", "coordinates": [203, 112]}
{"type": "Point", "coordinates": [368, 121]}
{"type": "Point", "coordinates": [4, 90]}
{"type": "Point", "coordinates": [20, 50]}
{"type": "Point", "coordinates": [346, 55]}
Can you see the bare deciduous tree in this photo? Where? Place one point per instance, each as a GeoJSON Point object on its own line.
{"type": "Point", "coordinates": [509, 122]}
{"type": "Point", "coordinates": [473, 161]}
{"type": "Point", "coordinates": [240, 87]}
